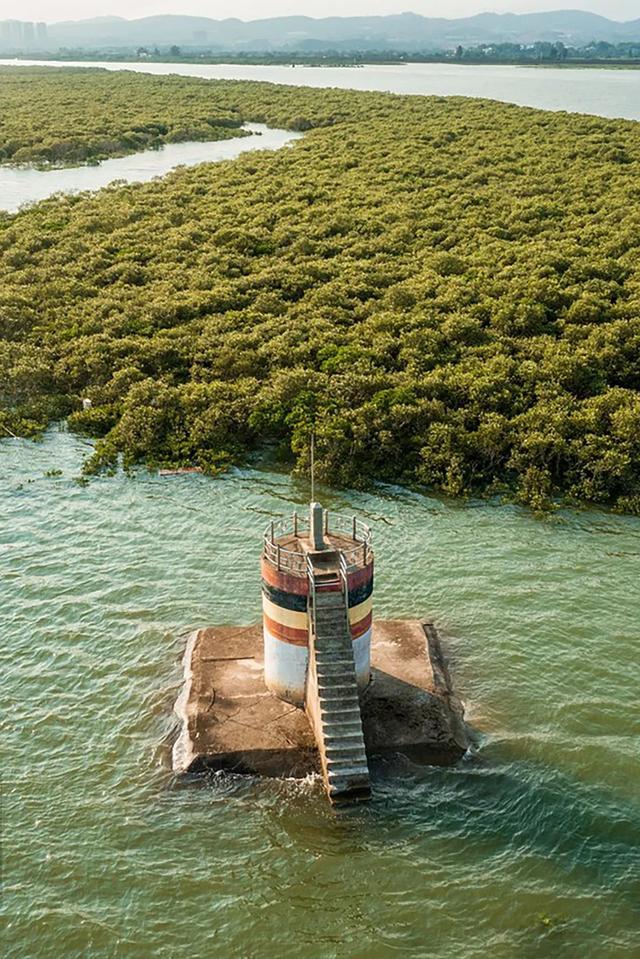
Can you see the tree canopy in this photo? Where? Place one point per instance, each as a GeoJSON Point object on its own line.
{"type": "Point", "coordinates": [75, 115]}
{"type": "Point", "coordinates": [446, 290]}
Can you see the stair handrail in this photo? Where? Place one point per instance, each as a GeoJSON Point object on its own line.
{"type": "Point", "coordinates": [344, 576]}
{"type": "Point", "coordinates": [311, 577]}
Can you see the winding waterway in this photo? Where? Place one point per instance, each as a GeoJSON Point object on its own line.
{"type": "Point", "coordinates": [530, 849]}
{"type": "Point", "coordinates": [20, 185]}
{"type": "Point", "coordinates": [607, 93]}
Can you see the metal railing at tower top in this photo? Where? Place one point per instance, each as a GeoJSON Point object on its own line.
{"type": "Point", "coordinates": [345, 533]}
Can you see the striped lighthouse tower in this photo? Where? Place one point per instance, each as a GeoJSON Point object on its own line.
{"type": "Point", "coordinates": [325, 557]}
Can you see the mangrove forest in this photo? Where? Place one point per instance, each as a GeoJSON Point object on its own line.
{"type": "Point", "coordinates": [446, 291]}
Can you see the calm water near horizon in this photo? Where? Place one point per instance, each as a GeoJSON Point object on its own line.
{"type": "Point", "coordinates": [530, 849]}
{"type": "Point", "coordinates": [607, 93]}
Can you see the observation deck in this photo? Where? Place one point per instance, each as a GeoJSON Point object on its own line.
{"type": "Point", "coordinates": [288, 542]}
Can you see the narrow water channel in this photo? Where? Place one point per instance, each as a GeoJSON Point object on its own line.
{"type": "Point", "coordinates": [20, 185]}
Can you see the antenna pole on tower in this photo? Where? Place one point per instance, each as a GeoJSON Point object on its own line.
{"type": "Point", "coordinates": [315, 509]}
{"type": "Point", "coordinates": [313, 467]}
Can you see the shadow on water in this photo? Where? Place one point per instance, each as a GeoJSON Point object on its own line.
{"type": "Point", "coordinates": [524, 811]}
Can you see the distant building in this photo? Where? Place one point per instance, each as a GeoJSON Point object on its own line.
{"type": "Point", "coordinates": [18, 34]}
{"type": "Point", "coordinates": [12, 33]}
{"type": "Point", "coordinates": [9, 32]}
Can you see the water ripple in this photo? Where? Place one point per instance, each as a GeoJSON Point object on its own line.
{"type": "Point", "coordinates": [529, 848]}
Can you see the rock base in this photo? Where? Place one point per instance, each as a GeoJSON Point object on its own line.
{"type": "Point", "coordinates": [230, 721]}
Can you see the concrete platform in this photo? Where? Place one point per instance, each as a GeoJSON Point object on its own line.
{"type": "Point", "coordinates": [230, 721]}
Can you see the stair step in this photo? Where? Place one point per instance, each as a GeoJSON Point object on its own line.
{"type": "Point", "coordinates": [348, 773]}
{"type": "Point", "coordinates": [344, 659]}
{"type": "Point", "coordinates": [332, 671]}
{"type": "Point", "coordinates": [353, 742]}
{"type": "Point", "coordinates": [331, 709]}
{"type": "Point", "coordinates": [330, 692]}
{"type": "Point", "coordinates": [354, 729]}
{"type": "Point", "coordinates": [356, 777]}
{"type": "Point", "coordinates": [329, 716]}
{"type": "Point", "coordinates": [349, 735]}
{"type": "Point", "coordinates": [324, 659]}
{"type": "Point", "coordinates": [340, 720]}
{"type": "Point", "coordinates": [335, 673]}
{"type": "Point", "coordinates": [336, 704]}
{"type": "Point", "coordinates": [337, 758]}
{"type": "Point", "coordinates": [332, 599]}
{"type": "Point", "coordinates": [342, 771]}
{"type": "Point", "coordinates": [343, 727]}
{"type": "Point", "coordinates": [346, 758]}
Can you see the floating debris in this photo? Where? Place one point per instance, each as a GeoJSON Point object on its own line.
{"type": "Point", "coordinates": [182, 471]}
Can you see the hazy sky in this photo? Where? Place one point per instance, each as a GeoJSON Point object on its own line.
{"type": "Point", "coordinates": [52, 10]}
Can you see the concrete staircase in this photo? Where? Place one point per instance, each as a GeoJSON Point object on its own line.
{"type": "Point", "coordinates": [332, 701]}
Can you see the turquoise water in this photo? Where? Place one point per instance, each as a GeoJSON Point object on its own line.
{"type": "Point", "coordinates": [529, 849]}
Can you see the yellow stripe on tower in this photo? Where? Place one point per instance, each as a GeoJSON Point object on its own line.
{"type": "Point", "coordinates": [356, 613]}
{"type": "Point", "coordinates": [286, 617]}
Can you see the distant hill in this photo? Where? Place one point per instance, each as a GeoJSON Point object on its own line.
{"type": "Point", "coordinates": [407, 31]}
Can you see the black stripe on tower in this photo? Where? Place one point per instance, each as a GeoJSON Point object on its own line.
{"type": "Point", "coordinates": [298, 604]}
{"type": "Point", "coordinates": [360, 593]}
{"type": "Point", "coordinates": [295, 602]}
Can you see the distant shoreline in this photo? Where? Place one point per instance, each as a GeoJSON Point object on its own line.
{"type": "Point", "coordinates": [296, 60]}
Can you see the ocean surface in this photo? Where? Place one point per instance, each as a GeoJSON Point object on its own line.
{"type": "Point", "coordinates": [528, 849]}
{"type": "Point", "coordinates": [20, 185]}
{"type": "Point", "coordinates": [607, 93]}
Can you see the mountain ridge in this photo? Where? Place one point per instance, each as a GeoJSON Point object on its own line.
{"type": "Point", "coordinates": [407, 31]}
